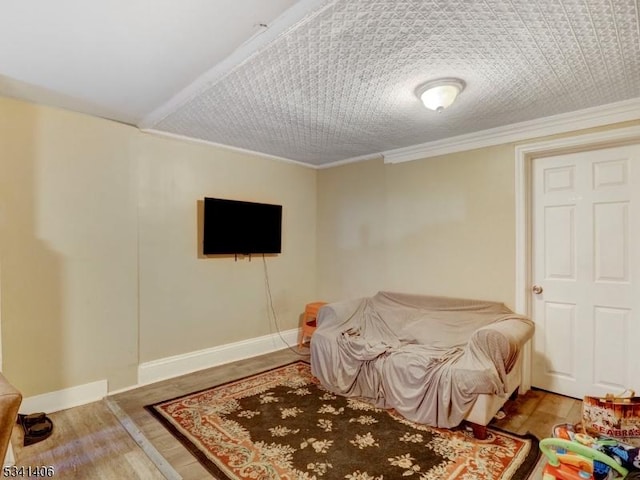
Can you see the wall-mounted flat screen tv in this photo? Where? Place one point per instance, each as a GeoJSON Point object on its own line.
{"type": "Point", "coordinates": [237, 227]}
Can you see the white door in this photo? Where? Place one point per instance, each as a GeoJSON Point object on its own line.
{"type": "Point", "coordinates": [586, 261]}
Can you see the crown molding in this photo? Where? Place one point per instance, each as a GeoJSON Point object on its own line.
{"type": "Point", "coordinates": [556, 124]}
{"type": "Point", "coordinates": [254, 153]}
{"type": "Point", "coordinates": [361, 158]}
{"type": "Point", "coordinates": [562, 123]}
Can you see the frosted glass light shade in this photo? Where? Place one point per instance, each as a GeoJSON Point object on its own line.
{"type": "Point", "coordinates": [439, 94]}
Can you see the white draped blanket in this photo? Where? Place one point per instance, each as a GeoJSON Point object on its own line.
{"type": "Point", "coordinates": [427, 357]}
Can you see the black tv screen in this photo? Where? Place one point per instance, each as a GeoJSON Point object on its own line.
{"type": "Point", "coordinates": [236, 227]}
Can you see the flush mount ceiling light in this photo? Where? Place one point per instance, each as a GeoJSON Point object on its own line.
{"type": "Point", "coordinates": [439, 94]}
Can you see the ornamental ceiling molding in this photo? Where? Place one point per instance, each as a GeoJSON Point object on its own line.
{"type": "Point", "coordinates": [565, 122]}
{"type": "Point", "coordinates": [184, 138]}
{"type": "Point", "coordinates": [593, 117]}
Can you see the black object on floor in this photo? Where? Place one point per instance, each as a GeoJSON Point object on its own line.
{"type": "Point", "coordinates": [37, 427]}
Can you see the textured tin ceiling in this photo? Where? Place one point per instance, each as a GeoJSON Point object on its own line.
{"type": "Point", "coordinates": [321, 81]}
{"type": "Point", "coordinates": [341, 83]}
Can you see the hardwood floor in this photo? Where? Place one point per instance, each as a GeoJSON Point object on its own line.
{"type": "Point", "coordinates": [91, 442]}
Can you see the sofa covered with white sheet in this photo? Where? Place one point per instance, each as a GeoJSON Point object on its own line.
{"type": "Point", "coordinates": [435, 360]}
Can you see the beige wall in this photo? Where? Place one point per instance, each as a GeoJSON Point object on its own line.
{"type": "Point", "coordinates": [443, 226]}
{"type": "Point", "coordinates": [98, 242]}
{"type": "Point", "coordinates": [67, 248]}
{"type": "Point", "coordinates": [189, 303]}
{"type": "Point", "coordinates": [98, 248]}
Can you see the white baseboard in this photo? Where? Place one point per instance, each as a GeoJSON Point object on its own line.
{"type": "Point", "coordinates": [66, 398]}
{"type": "Point", "coordinates": [161, 369]}
{"type": "Point", "coordinates": [9, 458]}
{"type": "Point", "coordinates": [170, 367]}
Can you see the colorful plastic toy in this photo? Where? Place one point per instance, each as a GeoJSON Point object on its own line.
{"type": "Point", "coordinates": [571, 460]}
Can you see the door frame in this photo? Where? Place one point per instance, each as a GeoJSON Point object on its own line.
{"type": "Point", "coordinates": [524, 156]}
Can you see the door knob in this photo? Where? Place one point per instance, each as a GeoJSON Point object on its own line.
{"type": "Point", "coordinates": [537, 289]}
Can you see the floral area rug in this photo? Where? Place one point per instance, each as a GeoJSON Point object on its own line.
{"type": "Point", "coordinates": [281, 424]}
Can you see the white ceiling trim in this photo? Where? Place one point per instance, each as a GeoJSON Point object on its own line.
{"type": "Point", "coordinates": [361, 158]}
{"type": "Point", "coordinates": [176, 136]}
{"type": "Point", "coordinates": [562, 123]}
{"type": "Point", "coordinates": [302, 11]}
